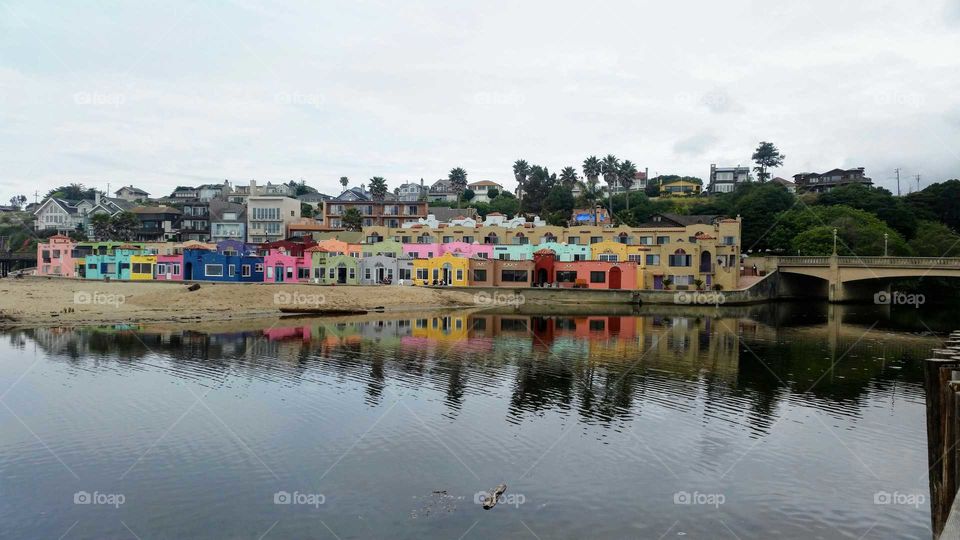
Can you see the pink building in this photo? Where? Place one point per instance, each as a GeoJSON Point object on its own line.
{"type": "Point", "coordinates": [592, 274]}
{"type": "Point", "coordinates": [463, 249]}
{"type": "Point", "coordinates": [55, 258]}
{"type": "Point", "coordinates": [280, 266]}
{"type": "Point", "coordinates": [169, 268]}
{"type": "Point", "coordinates": [421, 251]}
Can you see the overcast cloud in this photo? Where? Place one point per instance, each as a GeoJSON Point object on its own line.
{"type": "Point", "coordinates": [172, 93]}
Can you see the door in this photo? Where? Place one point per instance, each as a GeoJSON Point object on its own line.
{"type": "Point", "coordinates": [658, 282]}
{"type": "Point", "coordinates": [342, 275]}
{"type": "Point", "coordinates": [541, 276]}
{"type": "Point", "coordinates": [615, 278]}
{"type": "Point", "coordinates": [278, 273]}
{"type": "Point", "coordinates": [188, 271]}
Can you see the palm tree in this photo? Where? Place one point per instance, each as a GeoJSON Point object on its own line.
{"type": "Point", "coordinates": [610, 167]}
{"type": "Point", "coordinates": [521, 170]}
{"type": "Point", "coordinates": [378, 188]}
{"type": "Point", "coordinates": [568, 177]}
{"type": "Point", "coordinates": [458, 181]}
{"type": "Point", "coordinates": [628, 173]}
{"type": "Point", "coordinates": [344, 181]}
{"type": "Point", "coordinates": [592, 169]}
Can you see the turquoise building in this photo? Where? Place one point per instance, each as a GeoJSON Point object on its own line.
{"type": "Point", "coordinates": [566, 252]}
{"type": "Point", "coordinates": [114, 264]}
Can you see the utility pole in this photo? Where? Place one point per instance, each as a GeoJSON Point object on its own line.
{"type": "Point", "coordinates": [897, 170]}
{"type": "Point", "coordinates": [918, 182]}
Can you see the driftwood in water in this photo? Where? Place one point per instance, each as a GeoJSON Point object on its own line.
{"type": "Point", "coordinates": [494, 496]}
{"type": "Point", "coordinates": [321, 311]}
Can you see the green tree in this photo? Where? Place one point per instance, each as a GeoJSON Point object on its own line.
{"type": "Point", "coordinates": [72, 192]}
{"type": "Point", "coordinates": [878, 201]}
{"type": "Point", "coordinates": [17, 201]}
{"type": "Point", "coordinates": [521, 169]}
{"type": "Point", "coordinates": [610, 168]}
{"type": "Point", "coordinates": [506, 204]}
{"type": "Point", "coordinates": [100, 223]}
{"type": "Point", "coordinates": [352, 219]}
{"type": "Point", "coordinates": [934, 239]}
{"type": "Point", "coordinates": [558, 205]}
{"type": "Point", "coordinates": [306, 210]}
{"type": "Point", "coordinates": [758, 205]}
{"type": "Point", "coordinates": [468, 195]}
{"type": "Point", "coordinates": [627, 175]}
{"type": "Point", "coordinates": [344, 181]}
{"type": "Point", "coordinates": [804, 229]}
{"type": "Point", "coordinates": [492, 193]}
{"type": "Point", "coordinates": [766, 157]}
{"type": "Point", "coordinates": [458, 181]}
{"type": "Point", "coordinates": [653, 188]}
{"type": "Point", "coordinates": [568, 177]}
{"type": "Point", "coordinates": [300, 188]}
{"type": "Point", "coordinates": [537, 186]}
{"type": "Point", "coordinates": [123, 226]}
{"type": "Point", "coordinates": [378, 188]}
{"type": "Point", "coordinates": [938, 202]}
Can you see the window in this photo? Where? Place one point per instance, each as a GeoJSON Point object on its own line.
{"type": "Point", "coordinates": [728, 240]}
{"type": "Point", "coordinates": [578, 257]}
{"type": "Point", "coordinates": [289, 272]}
{"type": "Point", "coordinates": [422, 273]}
{"type": "Point", "coordinates": [459, 274]}
{"type": "Point", "coordinates": [468, 239]}
{"type": "Point", "coordinates": [663, 240]}
{"type": "Point", "coordinates": [653, 260]}
{"type": "Point", "coordinates": [258, 268]}
{"type": "Point", "coordinates": [447, 239]}
{"type": "Point", "coordinates": [303, 273]}
{"type": "Point", "coordinates": [270, 272]}
{"type": "Point", "coordinates": [566, 276]}
{"type": "Point", "coordinates": [482, 255]}
{"type": "Point", "coordinates": [404, 273]}
{"type": "Point", "coordinates": [366, 273]}
{"type": "Point", "coordinates": [608, 257]}
{"type": "Point", "coordinates": [634, 258]}
{"type": "Point", "coordinates": [679, 258]}
{"type": "Point", "coordinates": [575, 240]}
{"type": "Point", "coordinates": [513, 276]}
{"type": "Point", "coordinates": [176, 269]}
{"type": "Point", "coordinates": [245, 270]}
{"type": "Point", "coordinates": [596, 239]}
{"type": "Point", "coordinates": [503, 256]}
{"type": "Point", "coordinates": [646, 240]}
{"type": "Point", "coordinates": [161, 269]}
{"type": "Point", "coordinates": [353, 273]}
{"type": "Point", "coordinates": [213, 270]}
{"type": "Point", "coordinates": [598, 277]}
{"type": "Point", "coordinates": [479, 274]}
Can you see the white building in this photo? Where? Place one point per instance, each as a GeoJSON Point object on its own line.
{"type": "Point", "coordinates": [482, 188]}
{"type": "Point", "coordinates": [726, 179]}
{"type": "Point", "coordinates": [268, 217]}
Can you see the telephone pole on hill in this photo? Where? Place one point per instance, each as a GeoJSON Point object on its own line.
{"type": "Point", "coordinates": [897, 170]}
{"type": "Point", "coordinates": [918, 182]}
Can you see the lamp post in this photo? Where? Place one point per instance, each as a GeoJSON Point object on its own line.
{"type": "Point", "coordinates": [834, 240]}
{"type": "Point", "coordinates": [885, 235]}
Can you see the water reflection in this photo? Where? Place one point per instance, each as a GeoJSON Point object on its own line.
{"type": "Point", "coordinates": [596, 365]}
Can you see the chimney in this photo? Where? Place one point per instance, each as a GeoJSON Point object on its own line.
{"type": "Point", "coordinates": [96, 197]}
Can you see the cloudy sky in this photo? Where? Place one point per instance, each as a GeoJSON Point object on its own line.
{"type": "Point", "coordinates": [160, 94]}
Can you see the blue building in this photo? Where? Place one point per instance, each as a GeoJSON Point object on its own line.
{"type": "Point", "coordinates": [206, 265]}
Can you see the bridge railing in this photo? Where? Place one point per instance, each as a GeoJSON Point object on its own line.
{"type": "Point", "coordinates": [910, 262]}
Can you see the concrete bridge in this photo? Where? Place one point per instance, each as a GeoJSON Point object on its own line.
{"type": "Point", "coordinates": [842, 279]}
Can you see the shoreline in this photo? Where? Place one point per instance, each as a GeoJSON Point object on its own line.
{"type": "Point", "coordinates": [42, 301]}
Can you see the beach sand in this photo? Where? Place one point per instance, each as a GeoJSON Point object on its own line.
{"type": "Point", "coordinates": [40, 301]}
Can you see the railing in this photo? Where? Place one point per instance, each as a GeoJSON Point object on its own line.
{"type": "Point", "coordinates": [917, 262]}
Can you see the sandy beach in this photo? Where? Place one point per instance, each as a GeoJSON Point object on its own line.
{"type": "Point", "coordinates": [34, 301]}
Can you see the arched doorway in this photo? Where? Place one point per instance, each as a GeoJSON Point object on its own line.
{"type": "Point", "coordinates": [706, 261]}
{"type": "Point", "coordinates": [278, 273]}
{"type": "Point", "coordinates": [615, 277]}
{"type": "Point", "coordinates": [341, 273]}
{"type": "Point", "coordinates": [542, 276]}
{"type": "Point", "coordinates": [491, 238]}
{"type": "Point", "coordinates": [447, 273]}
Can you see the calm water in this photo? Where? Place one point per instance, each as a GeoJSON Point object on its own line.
{"type": "Point", "coordinates": [784, 420]}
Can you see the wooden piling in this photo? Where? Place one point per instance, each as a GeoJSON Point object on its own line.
{"type": "Point", "coordinates": [941, 437]}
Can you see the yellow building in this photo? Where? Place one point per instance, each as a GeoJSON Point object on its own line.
{"type": "Point", "coordinates": [141, 266]}
{"type": "Point", "coordinates": [450, 269]}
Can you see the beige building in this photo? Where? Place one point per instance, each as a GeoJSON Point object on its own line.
{"type": "Point", "coordinates": [672, 251]}
{"type": "Point", "coordinates": [269, 216]}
